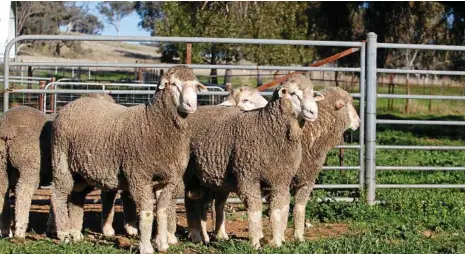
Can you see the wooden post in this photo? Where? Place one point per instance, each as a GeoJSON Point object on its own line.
{"type": "Point", "coordinates": [52, 96]}
{"type": "Point", "coordinates": [41, 96]}
{"type": "Point", "coordinates": [189, 53]}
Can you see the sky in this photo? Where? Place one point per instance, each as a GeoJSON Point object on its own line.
{"type": "Point", "coordinates": [129, 25]}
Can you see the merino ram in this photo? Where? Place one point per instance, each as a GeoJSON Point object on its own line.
{"type": "Point", "coordinates": [244, 98]}
{"type": "Point", "coordinates": [100, 144]}
{"type": "Point", "coordinates": [25, 136]}
{"type": "Point", "coordinates": [246, 151]}
{"type": "Point", "coordinates": [336, 114]}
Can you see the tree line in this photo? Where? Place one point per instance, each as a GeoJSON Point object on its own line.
{"type": "Point", "coordinates": [398, 22]}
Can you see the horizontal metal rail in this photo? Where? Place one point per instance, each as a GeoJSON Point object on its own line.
{"type": "Point", "coordinates": [98, 84]}
{"type": "Point", "coordinates": [422, 122]}
{"type": "Point", "coordinates": [432, 72]}
{"type": "Point", "coordinates": [22, 81]}
{"type": "Point", "coordinates": [193, 66]}
{"type": "Point", "coordinates": [185, 40]}
{"type": "Point", "coordinates": [393, 147]}
{"type": "Point", "coordinates": [337, 186]}
{"type": "Point", "coordinates": [414, 168]}
{"type": "Point", "coordinates": [341, 168]}
{"type": "Point", "coordinates": [419, 46]}
{"type": "Point", "coordinates": [348, 146]}
{"type": "Point", "coordinates": [421, 97]}
{"type": "Point", "coordinates": [420, 186]}
{"type": "Point", "coordinates": [26, 77]}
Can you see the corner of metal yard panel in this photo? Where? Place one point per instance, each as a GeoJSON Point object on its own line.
{"type": "Point", "coordinates": [370, 118]}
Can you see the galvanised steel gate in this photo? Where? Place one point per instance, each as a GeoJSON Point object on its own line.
{"type": "Point", "coordinates": [368, 72]}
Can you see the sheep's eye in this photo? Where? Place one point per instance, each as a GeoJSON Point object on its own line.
{"type": "Point", "coordinates": [245, 100]}
{"type": "Point", "coordinates": [292, 93]}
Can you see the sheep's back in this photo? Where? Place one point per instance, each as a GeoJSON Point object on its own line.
{"type": "Point", "coordinates": [212, 143]}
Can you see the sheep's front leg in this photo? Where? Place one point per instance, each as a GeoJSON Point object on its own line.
{"type": "Point", "coordinates": [163, 204]}
{"type": "Point", "coordinates": [24, 191]}
{"type": "Point", "coordinates": [301, 198]}
{"type": "Point", "coordinates": [130, 214]}
{"type": "Point", "coordinates": [251, 196]}
{"type": "Point", "coordinates": [220, 222]}
{"type": "Point", "coordinates": [108, 212]}
{"type": "Point", "coordinates": [5, 209]}
{"type": "Point", "coordinates": [279, 206]}
{"type": "Point", "coordinates": [142, 194]}
{"type": "Point", "coordinates": [172, 239]}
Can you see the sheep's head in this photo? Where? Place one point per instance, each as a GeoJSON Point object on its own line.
{"type": "Point", "coordinates": [246, 98]}
{"type": "Point", "coordinates": [298, 90]}
{"type": "Point", "coordinates": [343, 102]}
{"type": "Point", "coordinates": [183, 85]}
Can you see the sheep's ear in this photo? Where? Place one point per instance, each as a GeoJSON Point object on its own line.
{"type": "Point", "coordinates": [317, 96]}
{"type": "Point", "coordinates": [228, 103]}
{"type": "Point", "coordinates": [339, 104]}
{"type": "Point", "coordinates": [163, 83]}
{"type": "Point", "coordinates": [282, 91]}
{"type": "Point", "coordinates": [201, 87]}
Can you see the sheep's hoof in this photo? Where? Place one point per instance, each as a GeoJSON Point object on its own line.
{"type": "Point", "coordinates": [195, 236]}
{"type": "Point", "coordinates": [276, 243]}
{"type": "Point", "coordinates": [21, 234]}
{"type": "Point", "coordinates": [130, 230]}
{"type": "Point", "coordinates": [161, 246]}
{"type": "Point", "coordinates": [63, 236]}
{"type": "Point", "coordinates": [108, 231]}
{"type": "Point", "coordinates": [6, 233]}
{"type": "Point", "coordinates": [222, 236]}
{"type": "Point", "coordinates": [299, 237]}
{"type": "Point", "coordinates": [256, 245]}
{"type": "Point", "coordinates": [148, 249]}
{"type": "Point", "coordinates": [76, 235]}
{"type": "Point", "coordinates": [172, 239]}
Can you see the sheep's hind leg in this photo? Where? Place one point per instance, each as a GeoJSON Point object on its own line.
{"type": "Point", "coordinates": [301, 198]}
{"type": "Point", "coordinates": [24, 191]}
{"type": "Point", "coordinates": [220, 222]}
{"type": "Point", "coordinates": [76, 212]}
{"type": "Point", "coordinates": [193, 211]}
{"type": "Point", "coordinates": [130, 214]}
{"type": "Point", "coordinates": [108, 212]}
{"type": "Point", "coordinates": [62, 188]}
{"type": "Point", "coordinates": [142, 194]}
{"type": "Point", "coordinates": [5, 209]}
{"type": "Point", "coordinates": [250, 194]}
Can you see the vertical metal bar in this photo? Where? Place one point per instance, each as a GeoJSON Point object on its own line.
{"type": "Point", "coordinates": [189, 53]}
{"type": "Point", "coordinates": [362, 116]}
{"type": "Point", "coordinates": [41, 96]}
{"type": "Point", "coordinates": [370, 142]}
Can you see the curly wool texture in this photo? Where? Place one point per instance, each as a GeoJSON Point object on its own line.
{"type": "Point", "coordinates": [104, 138]}
{"type": "Point", "coordinates": [24, 159]}
{"type": "Point", "coordinates": [228, 142]}
{"type": "Point", "coordinates": [102, 96]}
{"type": "Point", "coordinates": [322, 135]}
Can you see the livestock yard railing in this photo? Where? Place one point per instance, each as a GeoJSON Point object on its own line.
{"type": "Point", "coordinates": [361, 70]}
{"type": "Point", "coordinates": [372, 121]}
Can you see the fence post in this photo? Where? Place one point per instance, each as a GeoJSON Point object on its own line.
{"type": "Point", "coordinates": [41, 96]}
{"type": "Point", "coordinates": [370, 139]}
{"type": "Point", "coordinates": [189, 53]}
{"type": "Point", "coordinates": [52, 96]}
